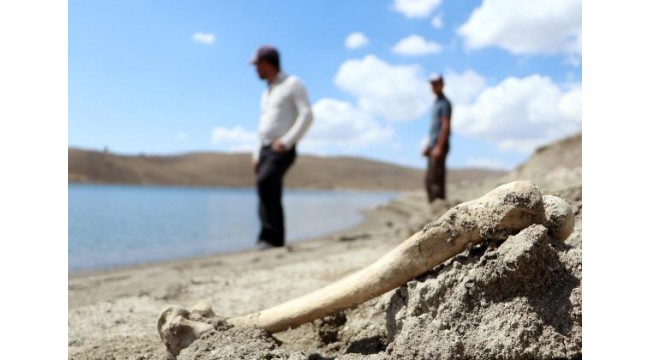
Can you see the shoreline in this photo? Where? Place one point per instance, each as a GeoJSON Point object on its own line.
{"type": "Point", "coordinates": [112, 313]}
{"type": "Point", "coordinates": [376, 222]}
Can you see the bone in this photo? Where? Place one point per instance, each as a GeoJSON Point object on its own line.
{"type": "Point", "coordinates": [559, 217]}
{"type": "Point", "coordinates": [502, 212]}
{"type": "Point", "coordinates": [203, 309]}
{"type": "Point", "coordinates": [177, 331]}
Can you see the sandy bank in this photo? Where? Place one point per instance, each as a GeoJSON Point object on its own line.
{"type": "Point", "coordinates": [110, 310]}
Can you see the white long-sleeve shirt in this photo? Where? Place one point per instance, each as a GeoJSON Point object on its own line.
{"type": "Point", "coordinates": [286, 112]}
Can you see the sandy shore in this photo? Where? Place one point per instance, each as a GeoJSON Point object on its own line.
{"type": "Point", "coordinates": [112, 314]}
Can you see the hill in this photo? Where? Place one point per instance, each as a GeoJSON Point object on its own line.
{"type": "Point", "coordinates": [552, 167]}
{"type": "Point", "coordinates": [234, 170]}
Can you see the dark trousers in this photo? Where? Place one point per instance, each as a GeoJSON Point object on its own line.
{"type": "Point", "coordinates": [272, 167]}
{"type": "Point", "coordinates": [435, 178]}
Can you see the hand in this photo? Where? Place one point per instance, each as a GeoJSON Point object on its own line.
{"type": "Point", "coordinates": [426, 150]}
{"type": "Point", "coordinates": [256, 167]}
{"type": "Point", "coordinates": [436, 154]}
{"type": "Point", "coordinates": [278, 146]}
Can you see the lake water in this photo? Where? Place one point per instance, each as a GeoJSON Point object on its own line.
{"type": "Point", "coordinates": [121, 225]}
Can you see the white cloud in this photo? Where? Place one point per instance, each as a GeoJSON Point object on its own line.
{"type": "Point", "coordinates": [571, 104]}
{"type": "Point", "coordinates": [526, 27]}
{"type": "Point", "coordinates": [203, 38]}
{"type": "Point", "coordinates": [436, 22]}
{"type": "Point", "coordinates": [236, 139]}
{"type": "Point", "coordinates": [340, 127]}
{"type": "Point", "coordinates": [414, 45]}
{"type": "Point", "coordinates": [395, 92]}
{"type": "Point", "coordinates": [463, 88]}
{"type": "Point", "coordinates": [520, 113]}
{"type": "Point", "coordinates": [356, 40]}
{"type": "Point", "coordinates": [416, 8]}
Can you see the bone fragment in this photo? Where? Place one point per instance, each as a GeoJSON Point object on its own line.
{"type": "Point", "coordinates": [177, 331]}
{"type": "Point", "coordinates": [559, 217]}
{"type": "Point", "coordinates": [501, 212]}
{"type": "Point", "coordinates": [203, 309]}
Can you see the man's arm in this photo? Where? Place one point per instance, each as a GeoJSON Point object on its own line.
{"type": "Point", "coordinates": [443, 138]}
{"type": "Point", "coordinates": [303, 119]}
{"type": "Point", "coordinates": [256, 159]}
{"type": "Point", "coordinates": [445, 130]}
{"type": "Point", "coordinates": [256, 151]}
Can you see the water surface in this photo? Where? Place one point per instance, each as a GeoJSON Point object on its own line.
{"type": "Point", "coordinates": [113, 225]}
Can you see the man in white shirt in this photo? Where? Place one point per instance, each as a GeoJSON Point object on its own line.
{"type": "Point", "coordinates": [286, 116]}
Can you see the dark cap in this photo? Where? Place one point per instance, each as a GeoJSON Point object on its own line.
{"type": "Point", "coordinates": [266, 52]}
{"type": "Point", "coordinates": [435, 78]}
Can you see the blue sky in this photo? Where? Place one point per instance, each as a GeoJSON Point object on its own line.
{"type": "Point", "coordinates": [162, 77]}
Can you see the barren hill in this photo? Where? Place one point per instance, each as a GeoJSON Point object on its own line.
{"type": "Point", "coordinates": [220, 169]}
{"type": "Point", "coordinates": [557, 165]}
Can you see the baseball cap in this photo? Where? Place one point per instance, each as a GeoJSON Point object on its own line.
{"type": "Point", "coordinates": [435, 77]}
{"type": "Point", "coordinates": [265, 52]}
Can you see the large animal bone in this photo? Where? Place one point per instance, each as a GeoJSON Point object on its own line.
{"type": "Point", "coordinates": [502, 212]}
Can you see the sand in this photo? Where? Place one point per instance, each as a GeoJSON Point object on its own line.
{"type": "Point", "coordinates": [113, 314]}
{"type": "Point", "coordinates": [517, 299]}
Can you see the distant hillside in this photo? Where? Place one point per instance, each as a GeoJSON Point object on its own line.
{"type": "Point", "coordinates": [552, 167]}
{"type": "Point", "coordinates": [556, 165]}
{"type": "Point", "coordinates": [219, 169]}
{"type": "Point", "coordinates": [563, 153]}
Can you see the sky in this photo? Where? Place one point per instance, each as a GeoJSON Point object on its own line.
{"type": "Point", "coordinates": [165, 77]}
